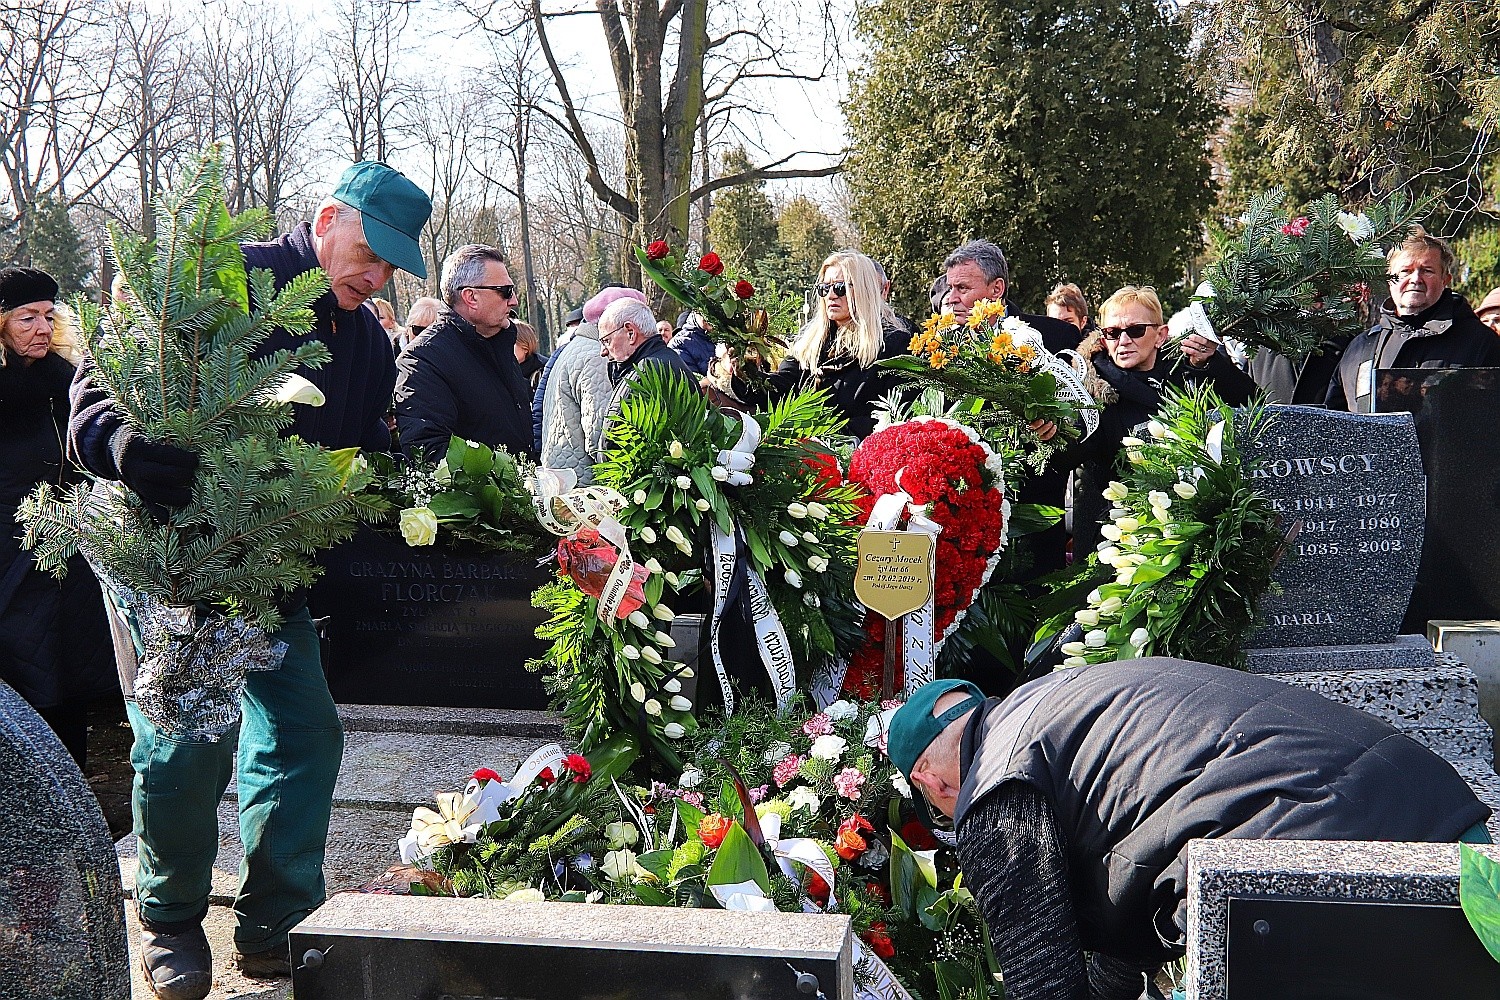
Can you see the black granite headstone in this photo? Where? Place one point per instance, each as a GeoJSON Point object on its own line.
{"type": "Point", "coordinates": [1354, 484]}
{"type": "Point", "coordinates": [1457, 414]}
{"type": "Point", "coordinates": [62, 917]}
{"type": "Point", "coordinates": [423, 626]}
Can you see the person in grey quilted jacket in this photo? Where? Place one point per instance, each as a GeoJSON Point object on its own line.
{"type": "Point", "coordinates": [575, 404]}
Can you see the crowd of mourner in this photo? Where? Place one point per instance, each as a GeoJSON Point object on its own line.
{"type": "Point", "coordinates": [466, 363]}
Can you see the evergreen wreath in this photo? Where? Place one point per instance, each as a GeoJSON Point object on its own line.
{"type": "Point", "coordinates": [1192, 544]}
{"type": "Point", "coordinates": [177, 354]}
{"type": "Point", "coordinates": [1291, 284]}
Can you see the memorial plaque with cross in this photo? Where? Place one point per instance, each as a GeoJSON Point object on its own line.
{"type": "Point", "coordinates": [893, 578]}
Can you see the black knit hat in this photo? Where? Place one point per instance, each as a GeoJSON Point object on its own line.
{"type": "Point", "coordinates": [21, 285]}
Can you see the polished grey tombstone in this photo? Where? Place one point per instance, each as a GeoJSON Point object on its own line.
{"type": "Point", "coordinates": [62, 918]}
{"type": "Point", "coordinates": [1351, 488]}
{"type": "Point", "coordinates": [364, 946]}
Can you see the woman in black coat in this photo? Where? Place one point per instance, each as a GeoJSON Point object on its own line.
{"type": "Point", "coordinates": [55, 648]}
{"type": "Point", "coordinates": [853, 328]}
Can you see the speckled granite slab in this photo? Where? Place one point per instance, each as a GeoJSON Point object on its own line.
{"type": "Point", "coordinates": [1442, 696]}
{"type": "Point", "coordinates": [1355, 871]}
{"type": "Point", "coordinates": [431, 946]}
{"type": "Point", "coordinates": [1404, 651]}
{"type": "Point", "coordinates": [62, 927]}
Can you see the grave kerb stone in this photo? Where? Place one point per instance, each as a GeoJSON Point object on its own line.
{"type": "Point", "coordinates": [1402, 652]}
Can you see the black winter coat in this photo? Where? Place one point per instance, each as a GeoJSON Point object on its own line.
{"type": "Point", "coordinates": [1097, 457]}
{"type": "Point", "coordinates": [1138, 757]}
{"type": "Point", "coordinates": [54, 638]}
{"type": "Point", "coordinates": [853, 390]}
{"type": "Point", "coordinates": [624, 374]}
{"type": "Point", "coordinates": [453, 381]}
{"type": "Point", "coordinates": [1445, 335]}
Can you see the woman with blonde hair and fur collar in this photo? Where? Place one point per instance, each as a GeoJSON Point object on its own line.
{"type": "Point", "coordinates": [852, 328]}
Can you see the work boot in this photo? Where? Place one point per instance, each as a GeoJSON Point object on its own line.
{"type": "Point", "coordinates": [176, 960]}
{"type": "Point", "coordinates": [276, 961]}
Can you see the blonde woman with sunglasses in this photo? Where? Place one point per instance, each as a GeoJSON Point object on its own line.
{"type": "Point", "coordinates": [852, 328]}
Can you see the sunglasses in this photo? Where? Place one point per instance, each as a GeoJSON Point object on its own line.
{"type": "Point", "coordinates": [504, 291]}
{"type": "Point", "coordinates": [1134, 331]}
{"type": "Point", "coordinates": [838, 289]}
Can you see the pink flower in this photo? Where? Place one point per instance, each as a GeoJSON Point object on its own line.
{"type": "Point", "coordinates": [694, 799]}
{"type": "Point", "coordinates": [1297, 227]}
{"type": "Point", "coordinates": [786, 770]}
{"type": "Point", "coordinates": [818, 725]}
{"type": "Point", "coordinates": [848, 782]}
{"type": "Point", "coordinates": [758, 795]}
{"type": "Point", "coordinates": [890, 703]}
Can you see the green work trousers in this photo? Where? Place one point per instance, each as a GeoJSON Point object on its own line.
{"type": "Point", "coordinates": [290, 743]}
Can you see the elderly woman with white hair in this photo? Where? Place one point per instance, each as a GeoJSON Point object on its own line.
{"type": "Point", "coordinates": [54, 639]}
{"type": "Point", "coordinates": [852, 328]}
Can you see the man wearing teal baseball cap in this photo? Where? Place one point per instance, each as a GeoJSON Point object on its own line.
{"type": "Point", "coordinates": [290, 742]}
{"type": "Point", "coordinates": [1075, 797]}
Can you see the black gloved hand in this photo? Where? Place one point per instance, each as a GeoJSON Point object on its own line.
{"type": "Point", "coordinates": [160, 474]}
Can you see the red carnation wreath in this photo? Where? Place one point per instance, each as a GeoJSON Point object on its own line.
{"type": "Point", "coordinates": [946, 467]}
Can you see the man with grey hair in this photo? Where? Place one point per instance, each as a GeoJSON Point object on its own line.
{"type": "Point", "coordinates": [460, 377]}
{"type": "Point", "coordinates": [628, 338]}
{"type": "Point", "coordinates": [978, 270]}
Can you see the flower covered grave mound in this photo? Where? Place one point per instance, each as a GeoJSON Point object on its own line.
{"type": "Point", "coordinates": [956, 481]}
{"type": "Point", "coordinates": [795, 812]}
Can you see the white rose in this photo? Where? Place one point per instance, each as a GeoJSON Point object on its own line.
{"type": "Point", "coordinates": [621, 835]}
{"type": "Point", "coordinates": [618, 865]}
{"type": "Point", "coordinates": [829, 747]}
{"type": "Point", "coordinates": [418, 526]}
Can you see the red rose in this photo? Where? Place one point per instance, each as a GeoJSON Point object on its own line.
{"type": "Point", "coordinates": [485, 774]}
{"type": "Point", "coordinates": [879, 941]}
{"type": "Point", "coordinates": [711, 264]}
{"type": "Point", "coordinates": [579, 765]}
{"type": "Point", "coordinates": [546, 777]}
{"type": "Point", "coordinates": [918, 837]}
{"type": "Point", "coordinates": [713, 828]}
{"type": "Point", "coordinates": [657, 250]}
{"type": "Point", "coordinates": [743, 289]}
{"type": "Point", "coordinates": [817, 889]}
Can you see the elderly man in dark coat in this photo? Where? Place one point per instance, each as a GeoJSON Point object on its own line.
{"type": "Point", "coordinates": [460, 377]}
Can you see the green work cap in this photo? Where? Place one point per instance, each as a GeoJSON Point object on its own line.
{"type": "Point", "coordinates": [914, 727]}
{"type": "Point", "coordinates": [394, 211]}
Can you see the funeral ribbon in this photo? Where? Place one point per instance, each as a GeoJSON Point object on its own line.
{"type": "Point", "coordinates": [564, 509]}
{"type": "Point", "coordinates": [920, 650]}
{"type": "Point", "coordinates": [770, 634]}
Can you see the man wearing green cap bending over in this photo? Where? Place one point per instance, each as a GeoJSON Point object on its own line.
{"type": "Point", "coordinates": [290, 740]}
{"type": "Point", "coordinates": [1075, 797]}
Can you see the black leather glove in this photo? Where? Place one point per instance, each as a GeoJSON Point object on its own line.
{"type": "Point", "coordinates": [160, 474]}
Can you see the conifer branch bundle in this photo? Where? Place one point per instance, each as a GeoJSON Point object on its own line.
{"type": "Point", "coordinates": [178, 355]}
